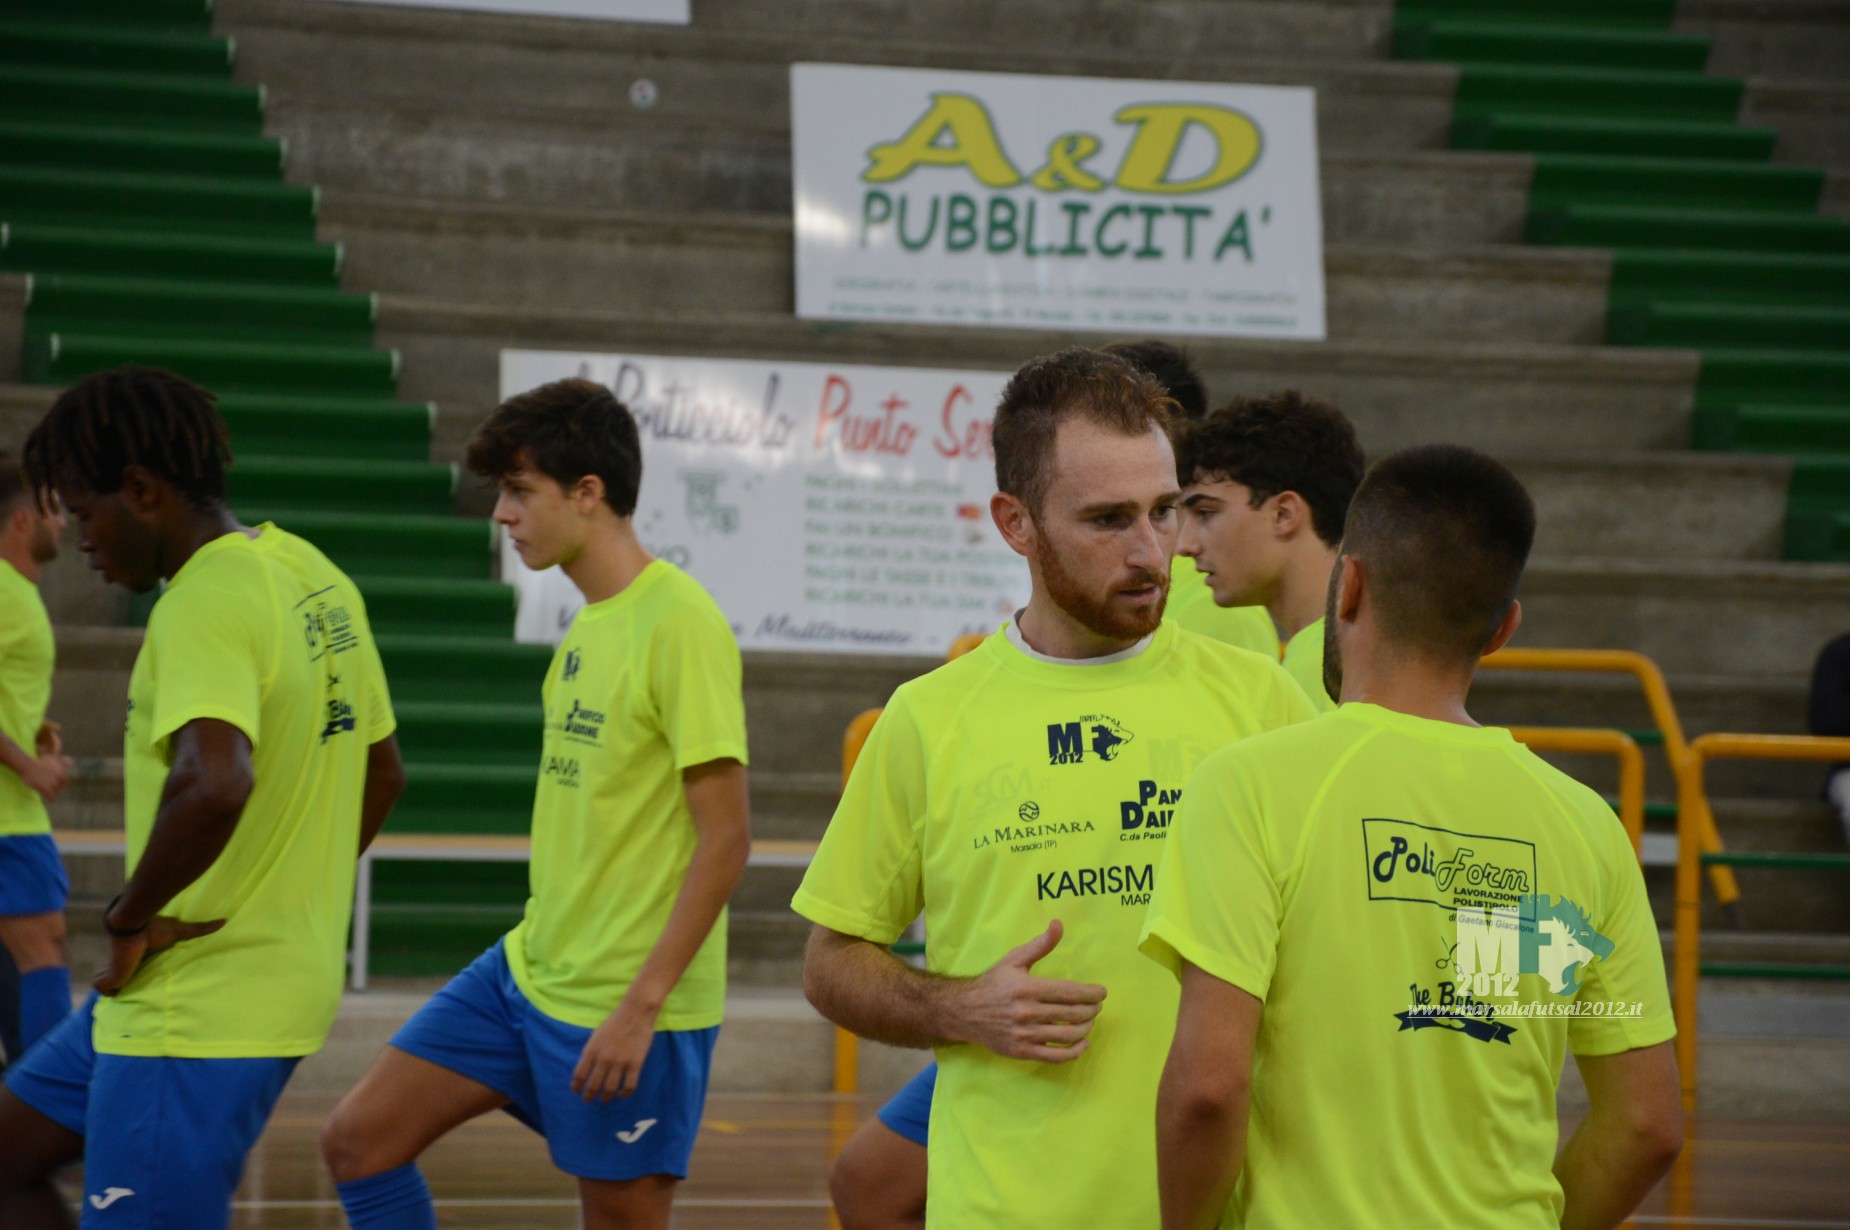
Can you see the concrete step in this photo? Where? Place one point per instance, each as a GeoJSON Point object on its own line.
{"type": "Point", "coordinates": [1804, 40]}
{"type": "Point", "coordinates": [1505, 398]}
{"type": "Point", "coordinates": [517, 59]}
{"type": "Point", "coordinates": [731, 262]}
{"type": "Point", "coordinates": [1812, 118]}
{"type": "Point", "coordinates": [1690, 616]}
{"type": "Point", "coordinates": [1753, 1064]}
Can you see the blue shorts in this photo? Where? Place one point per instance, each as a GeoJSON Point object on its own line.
{"type": "Point", "coordinates": [164, 1139]}
{"type": "Point", "coordinates": [481, 1026]}
{"type": "Point", "coordinates": [32, 879]}
{"type": "Point", "coordinates": [909, 1111]}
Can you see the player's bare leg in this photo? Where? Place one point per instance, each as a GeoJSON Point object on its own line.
{"type": "Point", "coordinates": [632, 1204]}
{"type": "Point", "coordinates": [36, 1148]}
{"type": "Point", "coordinates": [398, 1110]}
{"type": "Point", "coordinates": [36, 941]}
{"type": "Point", "coordinates": [878, 1181]}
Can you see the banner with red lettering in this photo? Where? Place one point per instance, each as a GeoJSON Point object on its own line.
{"type": "Point", "coordinates": [827, 507]}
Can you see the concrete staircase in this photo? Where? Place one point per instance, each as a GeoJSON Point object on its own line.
{"type": "Point", "coordinates": [491, 178]}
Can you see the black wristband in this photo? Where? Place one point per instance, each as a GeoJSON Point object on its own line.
{"type": "Point", "coordinates": [119, 932]}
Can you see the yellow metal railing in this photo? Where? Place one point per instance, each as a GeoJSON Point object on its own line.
{"type": "Point", "coordinates": [1597, 742]}
{"type": "Point", "coordinates": [1663, 716]}
{"type": "Point", "coordinates": [1694, 820]}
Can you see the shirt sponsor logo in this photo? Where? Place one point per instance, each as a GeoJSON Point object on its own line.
{"type": "Point", "coordinates": [1104, 737]}
{"type": "Point", "coordinates": [1033, 834]}
{"type": "Point", "coordinates": [573, 660]}
{"type": "Point", "coordinates": [1151, 811]}
{"type": "Point", "coordinates": [563, 770]}
{"type": "Point", "coordinates": [1415, 862]}
{"type": "Point", "coordinates": [340, 718]}
{"type": "Point", "coordinates": [1131, 883]}
{"type": "Point", "coordinates": [582, 725]}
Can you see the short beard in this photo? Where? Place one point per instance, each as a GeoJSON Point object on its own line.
{"type": "Point", "coordinates": [1092, 612]}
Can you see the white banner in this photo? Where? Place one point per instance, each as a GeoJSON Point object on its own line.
{"type": "Point", "coordinates": [827, 508]}
{"type": "Point", "coordinates": [666, 12]}
{"type": "Point", "coordinates": [1056, 202]}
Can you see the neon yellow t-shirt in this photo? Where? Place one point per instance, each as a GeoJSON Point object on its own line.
{"type": "Point", "coordinates": [645, 685]}
{"type": "Point", "coordinates": [1304, 663]}
{"type": "Point", "coordinates": [997, 793]}
{"type": "Point", "coordinates": [267, 635]}
{"type": "Point", "coordinates": [27, 656]}
{"type": "Point", "coordinates": [1324, 869]}
{"type": "Point", "coordinates": [1191, 605]}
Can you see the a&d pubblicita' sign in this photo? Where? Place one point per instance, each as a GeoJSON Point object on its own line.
{"type": "Point", "coordinates": [1056, 202]}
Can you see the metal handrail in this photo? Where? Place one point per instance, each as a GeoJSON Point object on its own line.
{"type": "Point", "coordinates": [1663, 713]}
{"type": "Point", "coordinates": [1691, 855]}
{"type": "Point", "coordinates": [1599, 742]}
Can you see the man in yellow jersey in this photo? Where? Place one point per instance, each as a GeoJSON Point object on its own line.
{"type": "Point", "coordinates": [593, 1020]}
{"type": "Point", "coordinates": [1191, 604]}
{"type": "Point", "coordinates": [878, 1179]}
{"type": "Point", "coordinates": [1019, 796]}
{"type": "Point", "coordinates": [1266, 484]}
{"type": "Point", "coordinates": [1391, 924]}
{"type": "Point", "coordinates": [33, 770]}
{"type": "Point", "coordinates": [259, 762]}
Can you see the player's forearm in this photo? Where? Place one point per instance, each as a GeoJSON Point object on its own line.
{"type": "Point", "coordinates": [1200, 1147]}
{"type": "Point", "coordinates": [1606, 1169]}
{"type": "Point", "coordinates": [712, 874]}
{"type": "Point", "coordinates": [865, 989]}
{"type": "Point", "coordinates": [198, 814]}
{"type": "Point", "coordinates": [385, 784]}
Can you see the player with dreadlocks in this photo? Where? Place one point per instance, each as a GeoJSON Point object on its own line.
{"type": "Point", "coordinates": [259, 762]}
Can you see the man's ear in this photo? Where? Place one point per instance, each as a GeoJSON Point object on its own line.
{"type": "Point", "coordinates": [1351, 582]}
{"type": "Point", "coordinates": [1290, 515]}
{"type": "Point", "coordinates": [143, 494]}
{"type": "Point", "coordinates": [587, 493]}
{"type": "Point", "coordinates": [1015, 523]}
{"type": "Point", "coordinates": [1506, 628]}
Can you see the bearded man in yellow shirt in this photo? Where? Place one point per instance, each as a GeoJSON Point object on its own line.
{"type": "Point", "coordinates": [1390, 925]}
{"type": "Point", "coordinates": [259, 761]}
{"type": "Point", "coordinates": [1019, 796]}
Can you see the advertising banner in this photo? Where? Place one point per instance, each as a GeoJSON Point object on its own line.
{"type": "Point", "coordinates": [666, 12]}
{"type": "Point", "coordinates": [827, 508]}
{"type": "Point", "coordinates": [1056, 202]}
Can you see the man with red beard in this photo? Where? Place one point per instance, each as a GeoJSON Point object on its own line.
{"type": "Point", "coordinates": [1019, 797]}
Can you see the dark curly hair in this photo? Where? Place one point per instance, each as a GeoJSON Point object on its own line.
{"type": "Point", "coordinates": [1281, 442]}
{"type": "Point", "coordinates": [565, 430]}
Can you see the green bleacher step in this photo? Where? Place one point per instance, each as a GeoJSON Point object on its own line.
{"type": "Point", "coordinates": [1763, 428]}
{"type": "Point", "coordinates": [109, 48]}
{"type": "Point", "coordinates": [332, 427]}
{"type": "Point", "coordinates": [1620, 14]}
{"type": "Point", "coordinates": [1619, 226]}
{"type": "Point", "coordinates": [394, 487]}
{"type": "Point", "coordinates": [157, 202]}
{"type": "Point", "coordinates": [1698, 183]}
{"type": "Point", "coordinates": [1801, 377]}
{"type": "Point", "coordinates": [413, 606]}
{"type": "Point", "coordinates": [31, 248]}
{"type": "Point", "coordinates": [75, 303]}
{"type": "Point", "coordinates": [1525, 132]}
{"type": "Point", "coordinates": [1602, 92]}
{"type": "Point", "coordinates": [382, 544]}
{"type": "Point", "coordinates": [1701, 325]}
{"type": "Point", "coordinates": [431, 939]}
{"type": "Point", "coordinates": [451, 732]}
{"type": "Point", "coordinates": [464, 798]}
{"type": "Point", "coordinates": [1643, 275]}
{"type": "Point", "coordinates": [60, 358]}
{"type": "Point", "coordinates": [195, 14]}
{"type": "Point", "coordinates": [1818, 535]}
{"type": "Point", "coordinates": [122, 98]}
{"type": "Point", "coordinates": [1533, 43]}
{"type": "Point", "coordinates": [464, 669]}
{"type": "Point", "coordinates": [128, 148]}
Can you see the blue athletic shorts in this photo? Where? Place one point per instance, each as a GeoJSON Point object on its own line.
{"type": "Point", "coordinates": [909, 1111]}
{"type": "Point", "coordinates": [32, 879]}
{"type": "Point", "coordinates": [164, 1139]}
{"type": "Point", "coordinates": [481, 1026]}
